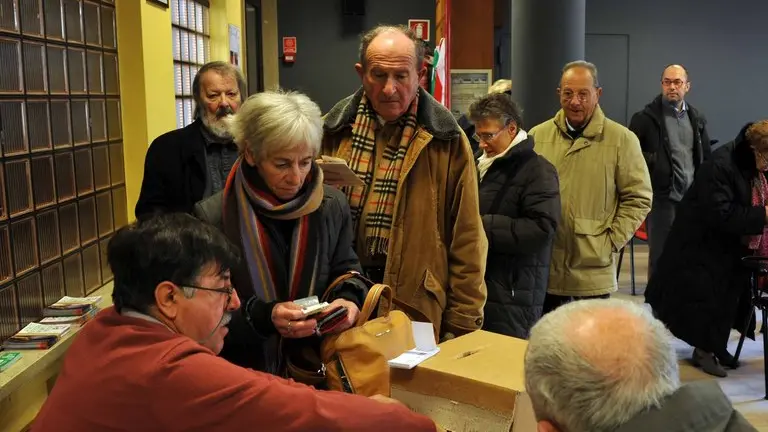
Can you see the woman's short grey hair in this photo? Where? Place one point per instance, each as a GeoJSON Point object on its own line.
{"type": "Point", "coordinates": [275, 121]}
{"type": "Point", "coordinates": [593, 383]}
{"type": "Point", "coordinates": [586, 65]}
{"type": "Point", "coordinates": [496, 106]}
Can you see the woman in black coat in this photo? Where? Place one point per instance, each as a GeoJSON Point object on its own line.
{"type": "Point", "coordinates": [295, 233]}
{"type": "Point", "coordinates": [520, 206]}
{"type": "Point", "coordinates": [701, 289]}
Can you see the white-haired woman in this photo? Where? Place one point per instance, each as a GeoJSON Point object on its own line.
{"type": "Point", "coordinates": [295, 233]}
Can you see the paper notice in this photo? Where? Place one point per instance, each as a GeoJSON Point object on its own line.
{"type": "Point", "coordinates": [336, 172]}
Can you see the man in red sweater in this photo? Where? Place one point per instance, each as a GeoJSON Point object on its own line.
{"type": "Point", "coordinates": [149, 363]}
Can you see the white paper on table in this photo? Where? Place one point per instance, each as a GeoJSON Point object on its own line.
{"type": "Point", "coordinates": [426, 347]}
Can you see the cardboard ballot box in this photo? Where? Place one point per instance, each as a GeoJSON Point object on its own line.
{"type": "Point", "coordinates": [475, 383]}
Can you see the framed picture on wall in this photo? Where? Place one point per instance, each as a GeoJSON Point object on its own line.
{"type": "Point", "coordinates": [163, 3]}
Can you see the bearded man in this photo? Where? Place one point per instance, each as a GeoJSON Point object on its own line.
{"type": "Point", "coordinates": [190, 164]}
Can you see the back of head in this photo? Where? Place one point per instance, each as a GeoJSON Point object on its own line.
{"type": "Point", "coordinates": [592, 365]}
{"type": "Point", "coordinates": [168, 247]}
{"type": "Point", "coordinates": [273, 121]}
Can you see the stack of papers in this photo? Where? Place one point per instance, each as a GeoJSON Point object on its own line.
{"type": "Point", "coordinates": [426, 347]}
{"type": "Point", "coordinates": [73, 306]}
{"type": "Point", "coordinates": [36, 336]}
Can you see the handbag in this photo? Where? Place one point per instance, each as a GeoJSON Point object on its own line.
{"type": "Point", "coordinates": [355, 360]}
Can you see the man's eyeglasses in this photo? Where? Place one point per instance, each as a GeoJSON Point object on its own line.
{"type": "Point", "coordinates": [582, 96]}
{"type": "Point", "coordinates": [668, 82]}
{"type": "Point", "coordinates": [226, 291]}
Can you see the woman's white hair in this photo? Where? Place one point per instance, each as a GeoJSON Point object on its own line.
{"type": "Point", "coordinates": [592, 365]}
{"type": "Point", "coordinates": [275, 121]}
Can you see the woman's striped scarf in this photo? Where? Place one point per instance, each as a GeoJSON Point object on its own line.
{"type": "Point", "coordinates": [380, 188]}
{"type": "Point", "coordinates": [259, 252]}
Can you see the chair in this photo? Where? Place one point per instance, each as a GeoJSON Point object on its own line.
{"type": "Point", "coordinates": [641, 234]}
{"type": "Point", "coordinates": [758, 266]}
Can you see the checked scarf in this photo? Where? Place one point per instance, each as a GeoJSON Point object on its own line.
{"type": "Point", "coordinates": [252, 202]}
{"type": "Point", "coordinates": [380, 189]}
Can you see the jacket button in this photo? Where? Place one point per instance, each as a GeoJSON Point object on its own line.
{"type": "Point", "coordinates": [479, 321]}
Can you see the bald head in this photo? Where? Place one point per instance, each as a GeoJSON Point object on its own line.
{"type": "Point", "coordinates": [675, 84]}
{"type": "Point", "coordinates": [592, 365]}
{"type": "Point", "coordinates": [392, 35]}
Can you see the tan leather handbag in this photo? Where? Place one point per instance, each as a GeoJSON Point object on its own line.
{"type": "Point", "coordinates": [355, 360]}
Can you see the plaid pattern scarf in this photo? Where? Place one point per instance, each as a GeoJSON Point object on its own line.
{"type": "Point", "coordinates": [380, 189]}
{"type": "Point", "coordinates": [259, 252]}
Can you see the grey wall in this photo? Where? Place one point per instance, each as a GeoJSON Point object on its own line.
{"type": "Point", "coordinates": [327, 43]}
{"type": "Point", "coordinates": [724, 45]}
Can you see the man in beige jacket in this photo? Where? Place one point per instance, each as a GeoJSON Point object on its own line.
{"type": "Point", "coordinates": [605, 189]}
{"type": "Point", "coordinates": [417, 218]}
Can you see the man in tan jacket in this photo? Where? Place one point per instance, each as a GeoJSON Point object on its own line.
{"type": "Point", "coordinates": [605, 189]}
{"type": "Point", "coordinates": [417, 221]}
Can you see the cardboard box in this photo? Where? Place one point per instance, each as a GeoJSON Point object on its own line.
{"type": "Point", "coordinates": [475, 383]}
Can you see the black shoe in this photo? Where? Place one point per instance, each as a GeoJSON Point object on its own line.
{"type": "Point", "coordinates": [708, 363]}
{"type": "Point", "coordinates": [727, 360]}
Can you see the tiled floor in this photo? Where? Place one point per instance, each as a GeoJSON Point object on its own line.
{"type": "Point", "coordinates": [744, 386]}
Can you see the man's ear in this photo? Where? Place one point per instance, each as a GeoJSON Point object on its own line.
{"type": "Point", "coordinates": [167, 299]}
{"type": "Point", "coordinates": [360, 70]}
{"type": "Point", "coordinates": [423, 71]}
{"type": "Point", "coordinates": [599, 92]}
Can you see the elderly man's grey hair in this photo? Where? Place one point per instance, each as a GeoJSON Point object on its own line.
{"type": "Point", "coordinates": [586, 65]}
{"type": "Point", "coordinates": [370, 35]}
{"type": "Point", "coordinates": [223, 69]}
{"type": "Point", "coordinates": [274, 121]}
{"type": "Point", "coordinates": [592, 365]}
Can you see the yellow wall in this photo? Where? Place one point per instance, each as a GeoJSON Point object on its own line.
{"type": "Point", "coordinates": [145, 51]}
{"type": "Point", "coordinates": [224, 13]}
{"type": "Point", "coordinates": [146, 85]}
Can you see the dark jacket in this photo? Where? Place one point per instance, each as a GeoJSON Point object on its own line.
{"type": "Point", "coordinates": [520, 205]}
{"type": "Point", "coordinates": [337, 257]}
{"type": "Point", "coordinates": [469, 130]}
{"type": "Point", "coordinates": [695, 407]}
{"type": "Point", "coordinates": [700, 290]}
{"type": "Point", "coordinates": [650, 129]}
{"type": "Point", "coordinates": [174, 172]}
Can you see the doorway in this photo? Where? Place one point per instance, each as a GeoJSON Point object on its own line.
{"type": "Point", "coordinates": [253, 46]}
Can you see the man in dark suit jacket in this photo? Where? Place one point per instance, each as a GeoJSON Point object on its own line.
{"type": "Point", "coordinates": [674, 139]}
{"type": "Point", "coordinates": [186, 165]}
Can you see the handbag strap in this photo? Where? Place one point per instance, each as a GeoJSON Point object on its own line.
{"type": "Point", "coordinates": [412, 312]}
{"type": "Point", "coordinates": [343, 278]}
{"type": "Point", "coordinates": [372, 302]}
